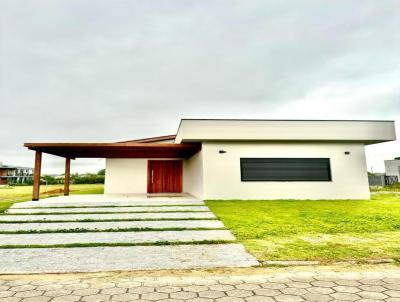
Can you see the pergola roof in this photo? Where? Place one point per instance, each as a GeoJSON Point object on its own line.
{"type": "Point", "coordinates": [117, 150]}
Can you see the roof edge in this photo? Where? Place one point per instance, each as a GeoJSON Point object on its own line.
{"type": "Point", "coordinates": [283, 120]}
{"type": "Point", "coordinates": [150, 139]}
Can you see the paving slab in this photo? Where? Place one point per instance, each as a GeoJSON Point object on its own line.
{"type": "Point", "coordinates": [95, 259]}
{"type": "Point", "coordinates": [110, 203]}
{"type": "Point", "coordinates": [109, 209]}
{"type": "Point", "coordinates": [89, 200]}
{"type": "Point", "coordinates": [110, 225]}
{"type": "Point", "coordinates": [194, 286]}
{"type": "Point", "coordinates": [126, 216]}
{"type": "Point", "coordinates": [114, 237]}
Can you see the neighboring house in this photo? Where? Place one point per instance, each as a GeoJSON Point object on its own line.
{"type": "Point", "coordinates": [392, 168]}
{"type": "Point", "coordinates": [14, 174]}
{"type": "Point", "coordinates": [238, 159]}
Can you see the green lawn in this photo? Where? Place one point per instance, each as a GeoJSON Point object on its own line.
{"type": "Point", "coordinates": [10, 195]}
{"type": "Point", "coordinates": [392, 188]}
{"type": "Point", "coordinates": [316, 230]}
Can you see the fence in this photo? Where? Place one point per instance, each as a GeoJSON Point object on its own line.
{"type": "Point", "coordinates": [381, 180]}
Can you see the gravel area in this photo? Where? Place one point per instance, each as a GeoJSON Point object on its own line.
{"type": "Point", "coordinates": [108, 210]}
{"type": "Point", "coordinates": [114, 237]}
{"type": "Point", "coordinates": [80, 217]}
{"type": "Point", "coordinates": [110, 225]}
{"type": "Point", "coordinates": [94, 259]}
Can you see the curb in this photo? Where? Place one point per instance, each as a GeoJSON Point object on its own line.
{"type": "Point", "coordinates": [311, 263]}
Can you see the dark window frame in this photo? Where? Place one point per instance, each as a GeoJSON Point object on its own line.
{"type": "Point", "coordinates": [329, 170]}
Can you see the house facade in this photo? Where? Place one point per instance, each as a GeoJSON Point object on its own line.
{"type": "Point", "coordinates": [253, 159]}
{"type": "Point", "coordinates": [14, 174]}
{"type": "Point", "coordinates": [239, 159]}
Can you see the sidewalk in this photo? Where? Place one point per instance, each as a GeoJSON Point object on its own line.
{"type": "Point", "coordinates": [246, 285]}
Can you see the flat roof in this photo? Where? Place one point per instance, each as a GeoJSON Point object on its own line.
{"type": "Point", "coordinates": [367, 131]}
{"type": "Point", "coordinates": [192, 132]}
{"type": "Point", "coordinates": [14, 167]}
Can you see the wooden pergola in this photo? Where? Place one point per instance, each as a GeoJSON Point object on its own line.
{"type": "Point", "coordinates": [130, 149]}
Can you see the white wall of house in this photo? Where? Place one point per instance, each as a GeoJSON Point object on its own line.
{"type": "Point", "coordinates": [211, 175]}
{"type": "Point", "coordinates": [193, 175]}
{"type": "Point", "coordinates": [125, 175]}
{"type": "Point", "coordinates": [129, 176]}
{"type": "Point", "coordinates": [222, 179]}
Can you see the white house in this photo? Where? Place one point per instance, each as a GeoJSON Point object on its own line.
{"type": "Point", "coordinates": [240, 159]}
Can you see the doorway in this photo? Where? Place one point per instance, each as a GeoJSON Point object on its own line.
{"type": "Point", "coordinates": [164, 176]}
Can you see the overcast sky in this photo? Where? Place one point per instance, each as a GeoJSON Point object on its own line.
{"type": "Point", "coordinates": [84, 70]}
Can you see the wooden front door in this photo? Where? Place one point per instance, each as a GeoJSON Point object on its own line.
{"type": "Point", "coordinates": [164, 176]}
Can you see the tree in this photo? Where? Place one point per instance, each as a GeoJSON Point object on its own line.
{"type": "Point", "coordinates": [48, 180]}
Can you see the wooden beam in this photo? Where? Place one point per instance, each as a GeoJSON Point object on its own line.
{"type": "Point", "coordinates": [67, 176]}
{"type": "Point", "coordinates": [117, 150]}
{"type": "Point", "coordinates": [36, 175]}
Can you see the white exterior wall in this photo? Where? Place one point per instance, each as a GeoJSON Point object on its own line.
{"type": "Point", "coordinates": [125, 175]}
{"type": "Point", "coordinates": [129, 176]}
{"type": "Point", "coordinates": [211, 175]}
{"type": "Point", "coordinates": [222, 178]}
{"type": "Point", "coordinates": [193, 175]}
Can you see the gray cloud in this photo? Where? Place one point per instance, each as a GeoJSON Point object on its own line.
{"type": "Point", "coordinates": [80, 70]}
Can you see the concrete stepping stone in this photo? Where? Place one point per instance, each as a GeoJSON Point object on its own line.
{"type": "Point", "coordinates": [109, 210]}
{"type": "Point", "coordinates": [113, 225]}
{"type": "Point", "coordinates": [114, 237]}
{"type": "Point", "coordinates": [96, 259]}
{"type": "Point", "coordinates": [121, 216]}
{"type": "Point", "coordinates": [106, 203]}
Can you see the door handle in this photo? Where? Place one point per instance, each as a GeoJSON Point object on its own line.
{"type": "Point", "coordinates": [152, 176]}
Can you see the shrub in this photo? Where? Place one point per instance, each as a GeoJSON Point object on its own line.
{"type": "Point", "coordinates": [87, 179]}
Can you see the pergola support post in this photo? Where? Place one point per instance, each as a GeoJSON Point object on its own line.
{"type": "Point", "coordinates": [67, 176]}
{"type": "Point", "coordinates": [36, 175]}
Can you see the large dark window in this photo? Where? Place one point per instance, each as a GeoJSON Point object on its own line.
{"type": "Point", "coordinates": [285, 169]}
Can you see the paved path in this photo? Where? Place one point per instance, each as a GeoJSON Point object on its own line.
{"type": "Point", "coordinates": [119, 216]}
{"type": "Point", "coordinates": [110, 209]}
{"type": "Point", "coordinates": [111, 225]}
{"type": "Point", "coordinates": [114, 237]}
{"type": "Point", "coordinates": [31, 232]}
{"type": "Point", "coordinates": [113, 200]}
{"type": "Point", "coordinates": [268, 287]}
{"type": "Point", "coordinates": [120, 258]}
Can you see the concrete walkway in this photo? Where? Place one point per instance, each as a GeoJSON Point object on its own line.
{"type": "Point", "coordinates": [128, 258]}
{"type": "Point", "coordinates": [114, 237]}
{"type": "Point", "coordinates": [105, 217]}
{"type": "Point", "coordinates": [101, 200]}
{"type": "Point", "coordinates": [43, 236]}
{"type": "Point", "coordinates": [110, 225]}
{"type": "Point", "coordinates": [315, 286]}
{"type": "Point", "coordinates": [110, 209]}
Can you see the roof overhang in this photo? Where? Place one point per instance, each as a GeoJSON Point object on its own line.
{"type": "Point", "coordinates": [117, 150]}
{"type": "Point", "coordinates": [363, 131]}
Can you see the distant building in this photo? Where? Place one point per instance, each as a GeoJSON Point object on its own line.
{"type": "Point", "coordinates": [14, 174]}
{"type": "Point", "coordinates": [392, 168]}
